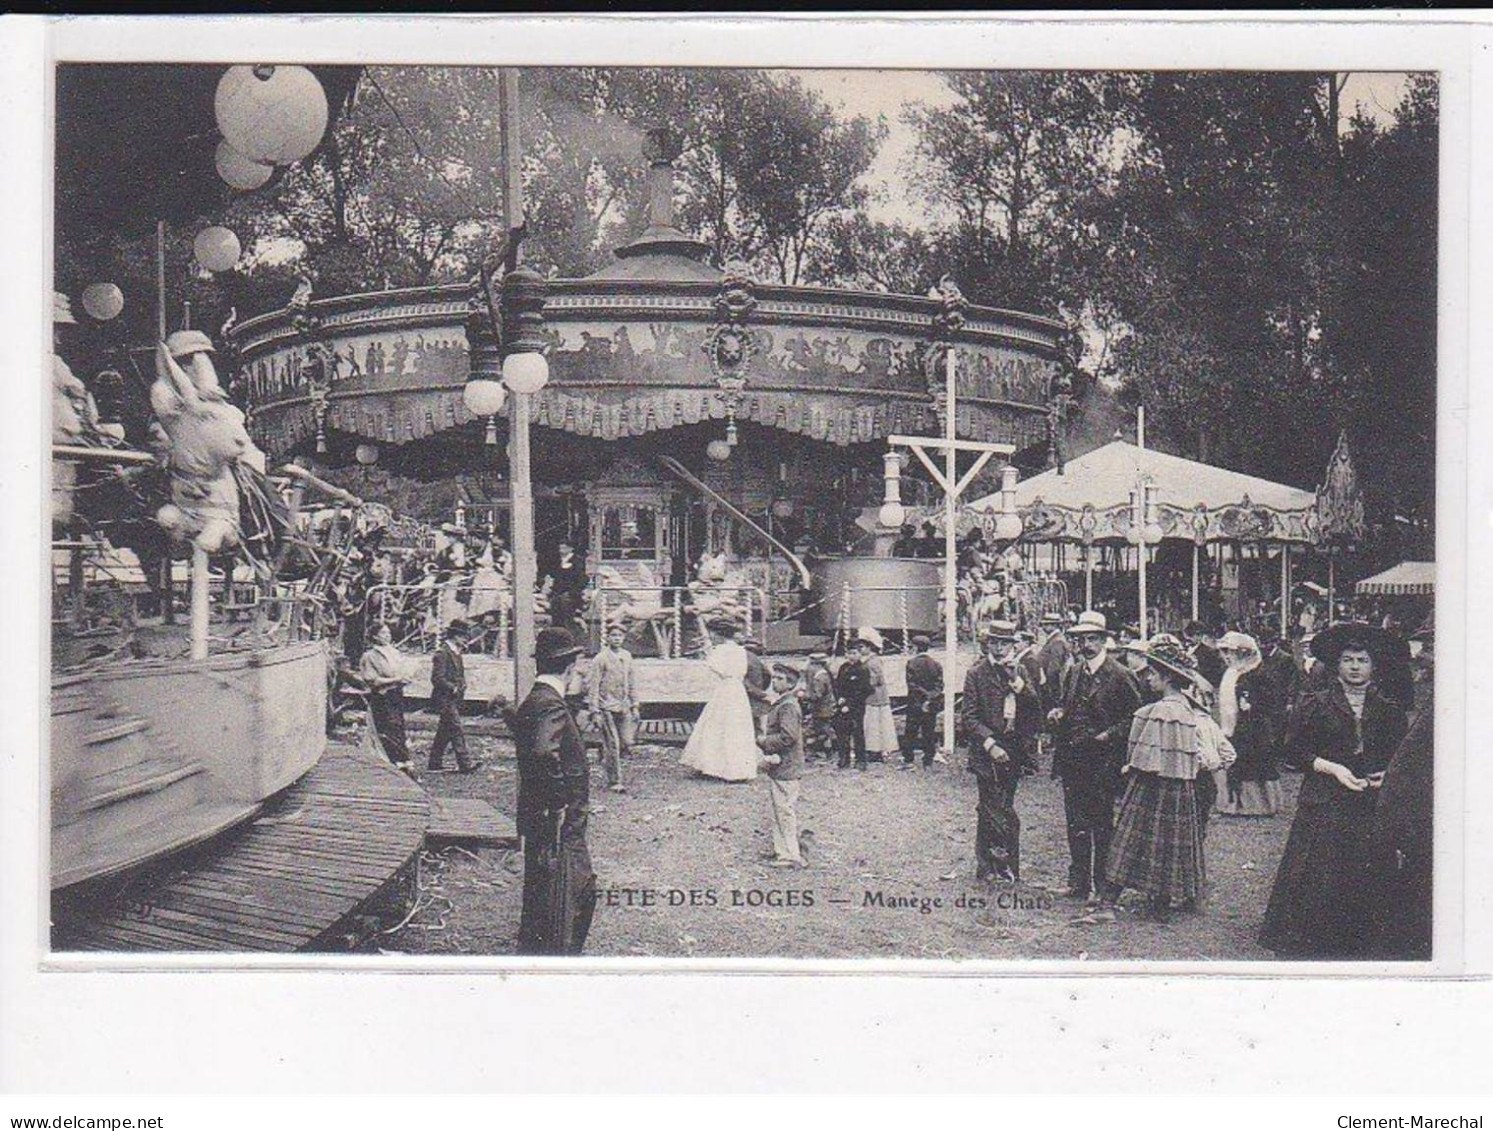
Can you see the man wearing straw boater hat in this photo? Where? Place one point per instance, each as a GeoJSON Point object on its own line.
{"type": "Point", "coordinates": [553, 803]}
{"type": "Point", "coordinates": [1090, 724]}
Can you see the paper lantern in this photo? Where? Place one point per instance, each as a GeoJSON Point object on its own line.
{"type": "Point", "coordinates": [525, 372]}
{"type": "Point", "coordinates": [216, 248]}
{"type": "Point", "coordinates": [272, 115]}
{"type": "Point", "coordinates": [718, 450]}
{"type": "Point", "coordinates": [366, 454]}
{"type": "Point", "coordinates": [1008, 527]}
{"type": "Point", "coordinates": [783, 508]}
{"type": "Point", "coordinates": [103, 301]}
{"type": "Point", "coordinates": [484, 398]}
{"type": "Point", "coordinates": [238, 170]}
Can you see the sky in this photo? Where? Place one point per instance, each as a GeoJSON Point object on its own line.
{"type": "Point", "coordinates": [887, 93]}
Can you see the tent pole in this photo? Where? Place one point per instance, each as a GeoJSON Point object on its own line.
{"type": "Point", "coordinates": [1331, 586]}
{"type": "Point", "coordinates": [1088, 577]}
{"type": "Point", "coordinates": [1285, 589]}
{"type": "Point", "coordinates": [1195, 552]}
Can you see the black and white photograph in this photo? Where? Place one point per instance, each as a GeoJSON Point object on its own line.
{"type": "Point", "coordinates": [714, 512]}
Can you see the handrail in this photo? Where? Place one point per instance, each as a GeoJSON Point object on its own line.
{"type": "Point", "coordinates": [805, 577]}
{"type": "Point", "coordinates": [100, 455]}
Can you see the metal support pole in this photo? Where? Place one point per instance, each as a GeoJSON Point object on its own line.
{"type": "Point", "coordinates": [199, 603]}
{"type": "Point", "coordinates": [1140, 559]}
{"type": "Point", "coordinates": [1285, 589]}
{"type": "Point", "coordinates": [1088, 577]}
{"type": "Point", "coordinates": [1331, 587]}
{"type": "Point", "coordinates": [1195, 552]}
{"type": "Point", "coordinates": [950, 579]}
{"type": "Point", "coordinates": [77, 587]}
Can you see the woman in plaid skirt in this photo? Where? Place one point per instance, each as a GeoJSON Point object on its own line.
{"type": "Point", "coordinates": [1157, 847]}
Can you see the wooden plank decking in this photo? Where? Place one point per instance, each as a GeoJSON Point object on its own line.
{"type": "Point", "coordinates": [340, 840]}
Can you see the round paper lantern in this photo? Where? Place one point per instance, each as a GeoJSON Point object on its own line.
{"type": "Point", "coordinates": [1008, 527]}
{"type": "Point", "coordinates": [238, 170]}
{"type": "Point", "coordinates": [891, 515]}
{"type": "Point", "coordinates": [273, 115]}
{"type": "Point", "coordinates": [718, 450]}
{"type": "Point", "coordinates": [103, 301]}
{"type": "Point", "coordinates": [525, 372]}
{"type": "Point", "coordinates": [366, 454]}
{"type": "Point", "coordinates": [484, 398]}
{"type": "Point", "coordinates": [216, 248]}
{"type": "Point", "coordinates": [783, 508]}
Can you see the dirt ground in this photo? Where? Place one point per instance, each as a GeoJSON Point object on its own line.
{"type": "Point", "coordinates": [890, 873]}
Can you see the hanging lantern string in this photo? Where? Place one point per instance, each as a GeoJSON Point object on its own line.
{"type": "Point", "coordinates": [477, 212]}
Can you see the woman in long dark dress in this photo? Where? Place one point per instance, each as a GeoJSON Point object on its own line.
{"type": "Point", "coordinates": [1343, 735]}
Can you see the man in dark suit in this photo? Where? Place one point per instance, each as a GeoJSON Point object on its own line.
{"type": "Point", "coordinates": [852, 690]}
{"type": "Point", "coordinates": [568, 592]}
{"type": "Point", "coordinates": [993, 691]}
{"type": "Point", "coordinates": [553, 803]}
{"type": "Point", "coordinates": [1091, 727]}
{"type": "Point", "coordinates": [924, 697]}
{"type": "Point", "coordinates": [448, 690]}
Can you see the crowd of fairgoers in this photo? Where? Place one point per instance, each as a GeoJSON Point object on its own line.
{"type": "Point", "coordinates": [1149, 739]}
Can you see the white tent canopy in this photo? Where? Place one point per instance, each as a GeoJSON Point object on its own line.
{"type": "Point", "coordinates": [1405, 579]}
{"type": "Point", "coordinates": [1197, 501]}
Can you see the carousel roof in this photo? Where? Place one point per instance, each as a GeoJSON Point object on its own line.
{"type": "Point", "coordinates": [1105, 477]}
{"type": "Point", "coordinates": [1090, 500]}
{"type": "Point", "coordinates": [1405, 579]}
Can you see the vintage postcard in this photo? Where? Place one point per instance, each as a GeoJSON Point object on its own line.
{"type": "Point", "coordinates": [941, 512]}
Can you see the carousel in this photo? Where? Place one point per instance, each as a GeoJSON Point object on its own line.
{"type": "Point", "coordinates": [1215, 544]}
{"type": "Point", "coordinates": [708, 444]}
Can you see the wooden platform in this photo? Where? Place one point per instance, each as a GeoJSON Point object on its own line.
{"type": "Point", "coordinates": [469, 821]}
{"type": "Point", "coordinates": [340, 841]}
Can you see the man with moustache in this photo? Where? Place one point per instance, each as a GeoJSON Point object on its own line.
{"type": "Point", "coordinates": [1091, 725]}
{"type": "Point", "coordinates": [993, 691]}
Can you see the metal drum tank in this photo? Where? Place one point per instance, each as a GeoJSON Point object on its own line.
{"type": "Point", "coordinates": [887, 594]}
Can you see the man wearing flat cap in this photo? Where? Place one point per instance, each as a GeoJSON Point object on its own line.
{"type": "Point", "coordinates": [1090, 727]}
{"type": "Point", "coordinates": [553, 803]}
{"type": "Point", "coordinates": [448, 690]}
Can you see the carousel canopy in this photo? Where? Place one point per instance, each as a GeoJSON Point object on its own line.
{"type": "Point", "coordinates": [1405, 579]}
{"type": "Point", "coordinates": [1090, 500]}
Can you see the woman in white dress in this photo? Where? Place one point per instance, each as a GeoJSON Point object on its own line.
{"type": "Point", "coordinates": [881, 724]}
{"type": "Point", "coordinates": [724, 744]}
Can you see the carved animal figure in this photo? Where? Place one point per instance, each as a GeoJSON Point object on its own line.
{"type": "Point", "coordinates": [207, 437]}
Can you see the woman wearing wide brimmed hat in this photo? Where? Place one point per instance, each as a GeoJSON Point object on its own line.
{"type": "Point", "coordinates": [1248, 712]}
{"type": "Point", "coordinates": [1157, 847]}
{"type": "Point", "coordinates": [1343, 735]}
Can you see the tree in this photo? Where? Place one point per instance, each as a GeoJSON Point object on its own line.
{"type": "Point", "coordinates": [1015, 163]}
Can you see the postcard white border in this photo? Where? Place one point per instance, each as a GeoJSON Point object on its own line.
{"type": "Point", "coordinates": [1333, 1002]}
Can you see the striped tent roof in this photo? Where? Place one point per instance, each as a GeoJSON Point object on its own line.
{"type": "Point", "coordinates": [1405, 579]}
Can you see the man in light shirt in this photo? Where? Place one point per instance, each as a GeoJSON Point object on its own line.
{"type": "Point", "coordinates": [612, 696]}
